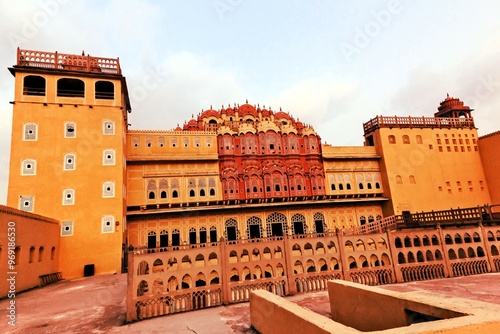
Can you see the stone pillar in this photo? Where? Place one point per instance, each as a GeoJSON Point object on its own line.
{"type": "Point", "coordinates": [224, 256]}
{"type": "Point", "coordinates": [343, 258]}
{"type": "Point", "coordinates": [291, 286]}
{"type": "Point", "coordinates": [487, 249]}
{"type": "Point", "coordinates": [448, 271]}
{"type": "Point", "coordinates": [131, 311]}
{"type": "Point", "coordinates": [396, 269]}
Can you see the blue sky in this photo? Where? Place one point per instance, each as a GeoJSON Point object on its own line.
{"type": "Point", "coordinates": [333, 64]}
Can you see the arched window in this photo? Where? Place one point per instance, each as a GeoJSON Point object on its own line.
{"type": "Point", "coordinates": [399, 180]}
{"type": "Point", "coordinates": [412, 179]}
{"type": "Point", "coordinates": [419, 139]}
{"type": "Point", "coordinates": [392, 139]}
{"type": "Point", "coordinates": [70, 88]}
{"type": "Point", "coordinates": [104, 90]}
{"type": "Point", "coordinates": [361, 186]}
{"type": "Point", "coordinates": [34, 85]}
{"type": "Point", "coordinates": [406, 139]}
{"type": "Point", "coordinates": [191, 193]}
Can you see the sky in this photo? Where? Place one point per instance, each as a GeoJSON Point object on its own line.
{"type": "Point", "coordinates": [331, 64]}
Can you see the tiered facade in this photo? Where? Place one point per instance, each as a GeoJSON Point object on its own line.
{"type": "Point", "coordinates": [241, 197]}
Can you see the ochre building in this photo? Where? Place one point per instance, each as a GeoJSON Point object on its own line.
{"type": "Point", "coordinates": [243, 172]}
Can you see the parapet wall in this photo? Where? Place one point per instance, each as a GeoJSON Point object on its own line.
{"type": "Point", "coordinates": [190, 277]}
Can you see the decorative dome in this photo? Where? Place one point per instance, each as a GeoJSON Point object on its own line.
{"type": "Point", "coordinates": [192, 125]}
{"type": "Point", "coordinates": [247, 109]}
{"type": "Point", "coordinates": [209, 113]}
{"type": "Point", "coordinates": [452, 107]}
{"type": "Point", "coordinates": [281, 115]}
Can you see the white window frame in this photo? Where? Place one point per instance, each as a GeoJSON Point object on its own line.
{"type": "Point", "coordinates": [23, 164]}
{"type": "Point", "coordinates": [65, 200]}
{"type": "Point", "coordinates": [105, 184]}
{"type": "Point", "coordinates": [104, 128]}
{"type": "Point", "coordinates": [70, 225]}
{"type": "Point", "coordinates": [105, 227]}
{"type": "Point", "coordinates": [24, 198]}
{"type": "Point", "coordinates": [24, 132]}
{"type": "Point", "coordinates": [66, 129]}
{"type": "Point", "coordinates": [65, 161]}
{"type": "Point", "coordinates": [111, 161]}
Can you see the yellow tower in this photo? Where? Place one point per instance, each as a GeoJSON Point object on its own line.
{"type": "Point", "coordinates": [67, 153]}
{"type": "Point", "coordinates": [429, 163]}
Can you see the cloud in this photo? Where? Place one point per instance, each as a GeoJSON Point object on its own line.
{"type": "Point", "coordinates": [321, 102]}
{"type": "Point", "coordinates": [476, 81]}
{"type": "Point", "coordinates": [169, 90]}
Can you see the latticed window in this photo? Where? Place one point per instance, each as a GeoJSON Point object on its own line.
{"type": "Point", "coordinates": [312, 143]}
{"type": "Point", "coordinates": [254, 228]}
{"type": "Point", "coordinates": [231, 229]}
{"type": "Point", "coordinates": [68, 197]}
{"type": "Point", "coordinates": [163, 188]}
{"type": "Point", "coordinates": [30, 131]}
{"type": "Point", "coordinates": [151, 189]}
{"type": "Point", "coordinates": [161, 141]}
{"type": "Point", "coordinates": [276, 225]}
{"type": "Point", "coordinates": [197, 142]}
{"type": "Point", "coordinates": [211, 182]}
{"type": "Point", "coordinates": [108, 157]}
{"type": "Point", "coordinates": [28, 167]}
{"type": "Point", "coordinates": [108, 189]}
{"type": "Point", "coordinates": [69, 162]}
{"type": "Point", "coordinates": [66, 228]}
{"type": "Point", "coordinates": [135, 141]}
{"type": "Point", "coordinates": [149, 142]}
{"type": "Point", "coordinates": [298, 224]}
{"type": "Point", "coordinates": [26, 203]}
{"type": "Point", "coordinates": [107, 223]}
{"type": "Point", "coordinates": [191, 183]}
{"type": "Point", "coordinates": [202, 182]}
{"type": "Point", "coordinates": [173, 142]}
{"type": "Point", "coordinates": [319, 222]}
{"type": "Point", "coordinates": [108, 127]}
{"type": "Point", "coordinates": [208, 141]}
{"type": "Point", "coordinates": [69, 130]}
{"type": "Point", "coordinates": [185, 141]}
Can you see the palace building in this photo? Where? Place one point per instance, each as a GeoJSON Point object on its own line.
{"type": "Point", "coordinates": [201, 193]}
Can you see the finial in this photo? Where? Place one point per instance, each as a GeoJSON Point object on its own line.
{"type": "Point", "coordinates": [192, 115]}
{"type": "Point", "coordinates": [280, 109]}
{"type": "Point", "coordinates": [211, 107]}
{"type": "Point", "coordinates": [447, 95]}
{"type": "Point", "coordinates": [83, 53]}
{"type": "Point", "coordinates": [202, 110]}
{"type": "Point", "coordinates": [246, 101]}
{"type": "Point", "coordinates": [264, 106]}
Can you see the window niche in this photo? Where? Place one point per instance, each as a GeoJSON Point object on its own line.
{"type": "Point", "coordinates": [34, 85]}
{"type": "Point", "coordinates": [70, 88]}
{"type": "Point", "coordinates": [104, 90]}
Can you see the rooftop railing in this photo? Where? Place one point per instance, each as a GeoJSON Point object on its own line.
{"type": "Point", "coordinates": [416, 122]}
{"type": "Point", "coordinates": [65, 61]}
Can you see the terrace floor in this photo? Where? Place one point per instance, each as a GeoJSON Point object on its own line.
{"type": "Point", "coordinates": [97, 305]}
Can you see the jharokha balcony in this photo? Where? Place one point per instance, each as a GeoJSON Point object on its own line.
{"type": "Point", "coordinates": [69, 62]}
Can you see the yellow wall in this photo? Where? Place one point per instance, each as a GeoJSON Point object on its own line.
{"type": "Point", "coordinates": [489, 147]}
{"type": "Point", "coordinates": [353, 165]}
{"type": "Point", "coordinates": [87, 245]}
{"type": "Point", "coordinates": [38, 240]}
{"type": "Point", "coordinates": [168, 156]}
{"type": "Point", "coordinates": [439, 170]}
